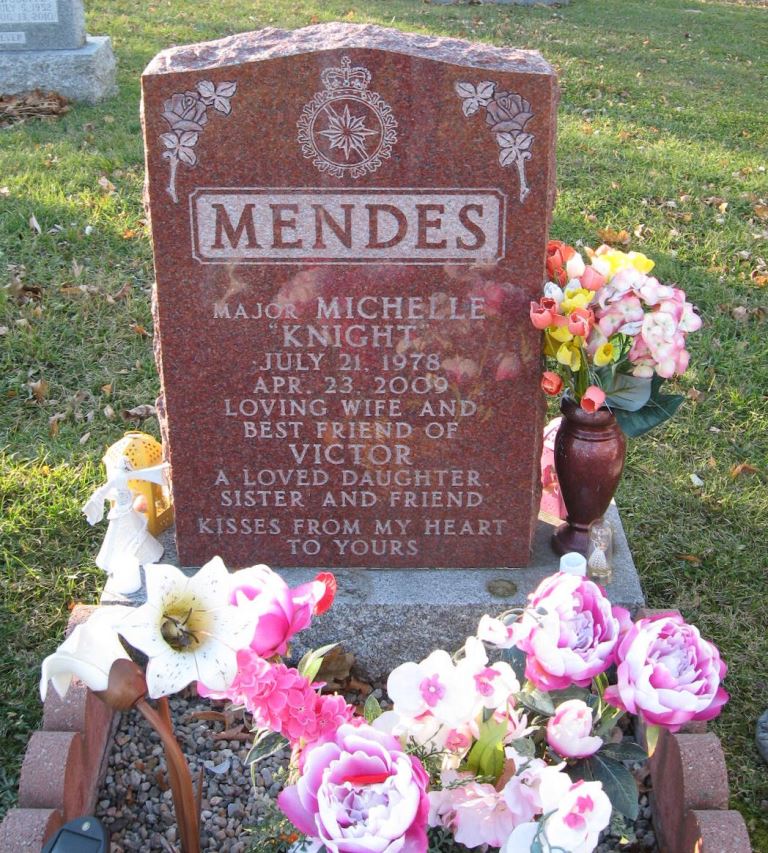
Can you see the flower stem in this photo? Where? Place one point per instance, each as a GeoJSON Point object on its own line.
{"type": "Point", "coordinates": [171, 188]}
{"type": "Point", "coordinates": [187, 815]}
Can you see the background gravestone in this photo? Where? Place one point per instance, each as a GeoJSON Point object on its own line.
{"type": "Point", "coordinates": [41, 24]}
{"type": "Point", "coordinates": [349, 224]}
{"type": "Point", "coordinates": [44, 45]}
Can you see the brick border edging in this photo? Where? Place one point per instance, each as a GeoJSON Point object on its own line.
{"type": "Point", "coordinates": [66, 761]}
{"type": "Point", "coordinates": [64, 764]}
{"type": "Point", "coordinates": [689, 795]}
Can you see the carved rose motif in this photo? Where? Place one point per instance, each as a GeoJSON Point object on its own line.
{"type": "Point", "coordinates": [185, 112]}
{"type": "Point", "coordinates": [507, 112]}
{"type": "Point", "coordinates": [187, 115]}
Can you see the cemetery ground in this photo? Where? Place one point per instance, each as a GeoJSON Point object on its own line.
{"type": "Point", "coordinates": [662, 149]}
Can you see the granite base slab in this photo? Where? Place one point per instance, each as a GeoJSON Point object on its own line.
{"type": "Point", "coordinates": [84, 74]}
{"type": "Point", "coordinates": [388, 616]}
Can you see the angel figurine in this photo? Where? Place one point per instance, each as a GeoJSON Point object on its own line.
{"type": "Point", "coordinates": [128, 544]}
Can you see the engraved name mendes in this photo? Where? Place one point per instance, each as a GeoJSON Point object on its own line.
{"type": "Point", "coordinates": [320, 225]}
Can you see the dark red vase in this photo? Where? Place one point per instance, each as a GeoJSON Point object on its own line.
{"type": "Point", "coordinates": [589, 459]}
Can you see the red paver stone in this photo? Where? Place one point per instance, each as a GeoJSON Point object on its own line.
{"type": "Point", "coordinates": [27, 830]}
{"type": "Point", "coordinates": [53, 774]}
{"type": "Point", "coordinates": [349, 224]}
{"type": "Point", "coordinates": [714, 832]}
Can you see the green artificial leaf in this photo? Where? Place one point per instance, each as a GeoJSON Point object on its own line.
{"type": "Point", "coordinates": [659, 408]}
{"type": "Point", "coordinates": [486, 758]}
{"type": "Point", "coordinates": [266, 744]}
{"type": "Point", "coordinates": [516, 659]}
{"type": "Point", "coordinates": [618, 783]}
{"type": "Point", "coordinates": [372, 709]}
{"type": "Point", "coordinates": [538, 701]}
{"type": "Point", "coordinates": [624, 751]}
{"type": "Point", "coordinates": [628, 393]}
{"type": "Point", "coordinates": [524, 746]}
{"type": "Point", "coordinates": [574, 692]}
{"type": "Point", "coordinates": [310, 664]}
{"type": "Point", "coordinates": [652, 738]}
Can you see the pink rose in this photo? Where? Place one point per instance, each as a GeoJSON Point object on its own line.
{"type": "Point", "coordinates": [569, 632]}
{"type": "Point", "coordinates": [668, 674]}
{"type": "Point", "coordinates": [278, 611]}
{"type": "Point", "coordinates": [360, 792]}
{"type": "Point", "coordinates": [592, 399]}
{"type": "Point", "coordinates": [569, 731]}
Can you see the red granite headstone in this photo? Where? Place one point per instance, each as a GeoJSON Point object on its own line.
{"type": "Point", "coordinates": [349, 223]}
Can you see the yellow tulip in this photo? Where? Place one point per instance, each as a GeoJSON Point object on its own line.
{"type": "Point", "coordinates": [570, 355]}
{"type": "Point", "coordinates": [640, 262]}
{"type": "Point", "coordinates": [576, 299]}
{"type": "Point", "coordinates": [603, 355]}
{"type": "Point", "coordinates": [560, 334]}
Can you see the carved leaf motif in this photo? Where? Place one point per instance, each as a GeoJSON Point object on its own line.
{"type": "Point", "coordinates": [188, 156]}
{"type": "Point", "coordinates": [226, 90]}
{"type": "Point", "coordinates": [170, 140]}
{"type": "Point", "coordinates": [485, 90]}
{"type": "Point", "coordinates": [465, 90]}
{"type": "Point", "coordinates": [207, 90]}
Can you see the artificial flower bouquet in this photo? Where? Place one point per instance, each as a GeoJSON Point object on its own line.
{"type": "Point", "coordinates": [513, 743]}
{"type": "Point", "coordinates": [615, 333]}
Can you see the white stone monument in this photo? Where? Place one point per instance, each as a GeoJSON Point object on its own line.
{"type": "Point", "coordinates": [44, 45]}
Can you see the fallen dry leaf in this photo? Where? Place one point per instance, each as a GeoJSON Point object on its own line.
{"type": "Point", "coordinates": [123, 292]}
{"type": "Point", "coordinates": [36, 104]}
{"type": "Point", "coordinates": [40, 389]}
{"type": "Point", "coordinates": [106, 184]}
{"type": "Point", "coordinates": [760, 210]}
{"type": "Point", "coordinates": [84, 437]}
{"type": "Point", "coordinates": [77, 269]}
{"type": "Point", "coordinates": [139, 330]}
{"type": "Point", "coordinates": [106, 390]}
{"type": "Point", "coordinates": [335, 668]}
{"type": "Point", "coordinates": [129, 233]}
{"type": "Point", "coordinates": [4, 330]}
{"type": "Point", "coordinates": [740, 313]}
{"type": "Point", "coordinates": [690, 558]}
{"type": "Point", "coordinates": [613, 237]}
{"type": "Point", "coordinates": [54, 421]}
{"type": "Point", "coordinates": [695, 395]}
{"type": "Point", "coordinates": [742, 468]}
{"type": "Point", "coordinates": [23, 323]}
{"type": "Point", "coordinates": [138, 413]}
{"type": "Point", "coordinates": [109, 412]}
{"type": "Point", "coordinates": [34, 224]}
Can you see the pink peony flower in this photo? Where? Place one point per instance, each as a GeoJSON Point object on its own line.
{"type": "Point", "coordinates": [359, 792]}
{"type": "Point", "coordinates": [278, 612]}
{"type": "Point", "coordinates": [569, 731]}
{"type": "Point", "coordinates": [522, 792]}
{"type": "Point", "coordinates": [668, 674]}
{"type": "Point", "coordinates": [569, 632]}
{"type": "Point", "coordinates": [474, 812]}
{"type": "Point", "coordinates": [580, 812]}
{"type": "Point", "coordinates": [592, 399]}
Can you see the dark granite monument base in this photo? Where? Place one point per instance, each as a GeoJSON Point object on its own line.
{"type": "Point", "coordinates": [388, 616]}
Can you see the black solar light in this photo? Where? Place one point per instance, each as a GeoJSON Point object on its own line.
{"type": "Point", "coordinates": [82, 835]}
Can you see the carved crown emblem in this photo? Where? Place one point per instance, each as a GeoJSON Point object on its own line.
{"type": "Point", "coordinates": [346, 77]}
{"type": "Point", "coordinates": [347, 130]}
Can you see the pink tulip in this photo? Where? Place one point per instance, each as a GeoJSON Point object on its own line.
{"type": "Point", "coordinates": [541, 317]}
{"type": "Point", "coordinates": [668, 674]}
{"type": "Point", "coordinates": [569, 731]}
{"type": "Point", "coordinates": [591, 279]}
{"type": "Point", "coordinates": [580, 321]}
{"type": "Point", "coordinates": [592, 399]}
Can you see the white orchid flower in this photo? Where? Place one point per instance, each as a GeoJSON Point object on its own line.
{"type": "Point", "coordinates": [188, 628]}
{"type": "Point", "coordinates": [87, 654]}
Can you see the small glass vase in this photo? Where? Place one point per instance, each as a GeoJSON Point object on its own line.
{"type": "Point", "coordinates": [600, 551]}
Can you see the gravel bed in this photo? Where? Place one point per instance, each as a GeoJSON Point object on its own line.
{"type": "Point", "coordinates": [135, 800]}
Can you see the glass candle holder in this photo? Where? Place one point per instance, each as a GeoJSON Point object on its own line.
{"type": "Point", "coordinates": [600, 551]}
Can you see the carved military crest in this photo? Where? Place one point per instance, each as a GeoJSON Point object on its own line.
{"type": "Point", "coordinates": [347, 130]}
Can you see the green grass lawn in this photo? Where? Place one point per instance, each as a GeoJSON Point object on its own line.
{"type": "Point", "coordinates": [663, 132]}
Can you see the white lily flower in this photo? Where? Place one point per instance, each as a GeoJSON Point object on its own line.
{"type": "Point", "coordinates": [188, 629]}
{"type": "Point", "coordinates": [87, 654]}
